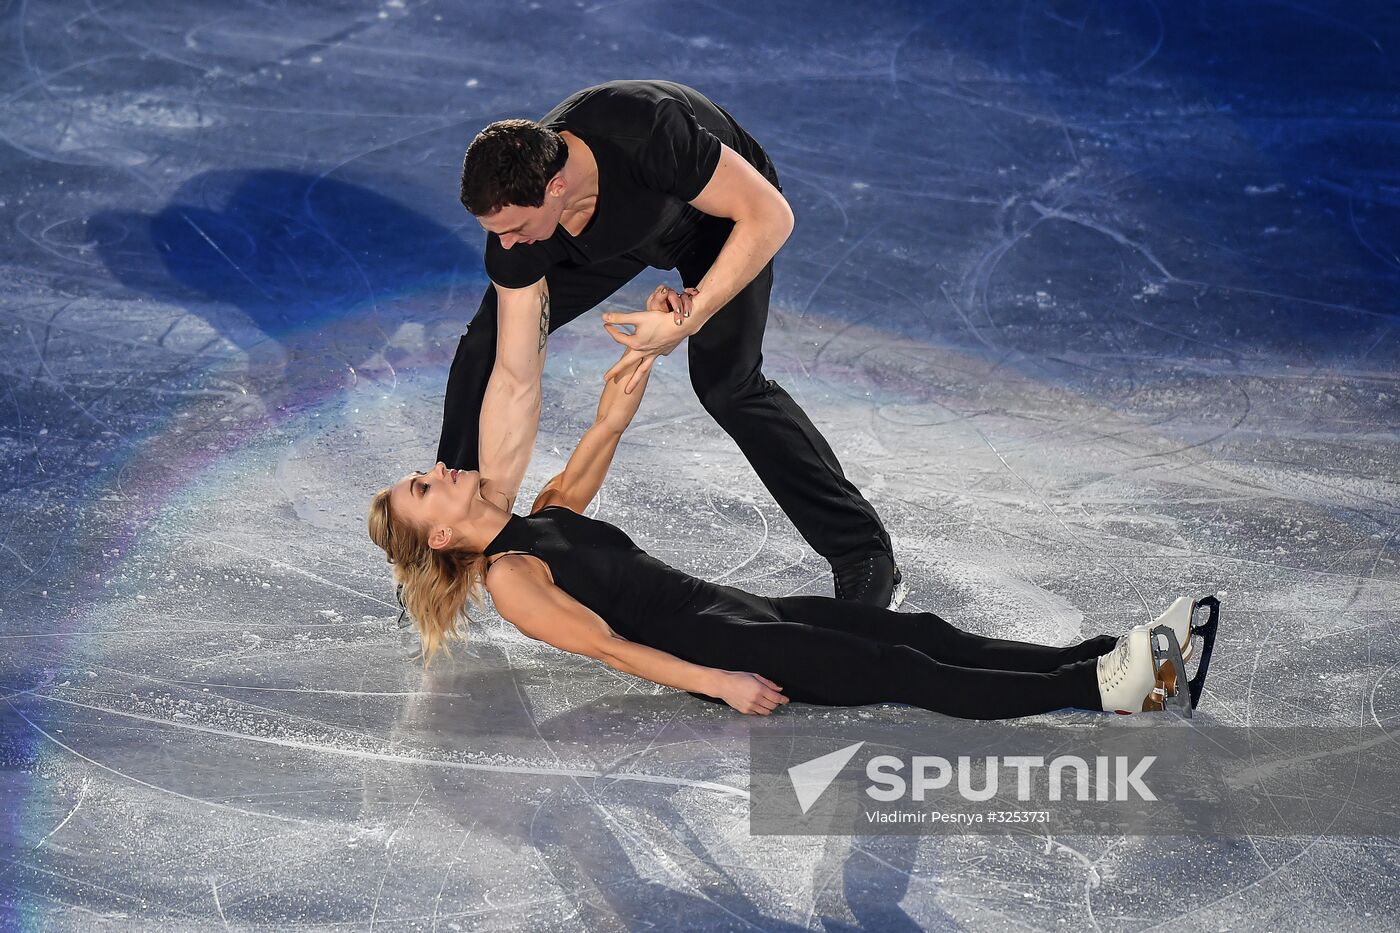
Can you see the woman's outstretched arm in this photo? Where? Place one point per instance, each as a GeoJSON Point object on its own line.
{"type": "Point", "coordinates": [525, 597]}
{"type": "Point", "coordinates": [583, 475]}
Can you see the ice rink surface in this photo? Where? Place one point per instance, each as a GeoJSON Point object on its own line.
{"type": "Point", "coordinates": [1096, 302]}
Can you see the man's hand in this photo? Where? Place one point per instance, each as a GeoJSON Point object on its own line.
{"type": "Point", "coordinates": [652, 335]}
{"type": "Point", "coordinates": [666, 298]}
{"type": "Point", "coordinates": [750, 693]}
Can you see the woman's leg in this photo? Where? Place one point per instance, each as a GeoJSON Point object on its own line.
{"type": "Point", "coordinates": [936, 637]}
{"type": "Point", "coordinates": [835, 668]}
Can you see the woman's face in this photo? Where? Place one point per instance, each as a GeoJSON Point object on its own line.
{"type": "Point", "coordinates": [437, 500]}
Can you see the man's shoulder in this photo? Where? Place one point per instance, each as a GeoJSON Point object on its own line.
{"type": "Point", "coordinates": [519, 267]}
{"type": "Point", "coordinates": [623, 107]}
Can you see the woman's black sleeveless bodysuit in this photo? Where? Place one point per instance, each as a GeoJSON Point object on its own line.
{"type": "Point", "coordinates": [817, 649]}
{"type": "Point", "coordinates": [641, 598]}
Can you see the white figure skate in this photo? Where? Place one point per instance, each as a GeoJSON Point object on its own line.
{"type": "Point", "coordinates": [1145, 671]}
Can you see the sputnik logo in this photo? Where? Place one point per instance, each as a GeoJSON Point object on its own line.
{"type": "Point", "coordinates": [811, 778]}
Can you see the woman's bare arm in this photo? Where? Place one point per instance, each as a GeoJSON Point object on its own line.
{"type": "Point", "coordinates": [525, 597]}
{"type": "Point", "coordinates": [583, 475]}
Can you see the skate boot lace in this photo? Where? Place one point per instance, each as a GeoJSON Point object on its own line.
{"type": "Point", "coordinates": [1113, 667]}
{"type": "Point", "coordinates": [854, 578]}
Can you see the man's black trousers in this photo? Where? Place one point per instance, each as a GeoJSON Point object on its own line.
{"type": "Point", "coordinates": [787, 452]}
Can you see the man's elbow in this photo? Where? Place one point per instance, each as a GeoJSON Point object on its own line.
{"type": "Point", "coordinates": [784, 217]}
{"type": "Point", "coordinates": [777, 220]}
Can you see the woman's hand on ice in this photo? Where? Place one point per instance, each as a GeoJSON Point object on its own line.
{"type": "Point", "coordinates": [750, 693]}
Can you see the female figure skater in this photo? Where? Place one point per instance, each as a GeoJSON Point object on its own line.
{"type": "Point", "coordinates": [582, 585]}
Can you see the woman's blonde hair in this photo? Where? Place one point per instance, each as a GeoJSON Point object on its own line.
{"type": "Point", "coordinates": [436, 585]}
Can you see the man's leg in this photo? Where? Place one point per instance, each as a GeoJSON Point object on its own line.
{"type": "Point", "coordinates": [466, 385]}
{"type": "Point", "coordinates": [571, 293]}
{"type": "Point", "coordinates": [787, 452]}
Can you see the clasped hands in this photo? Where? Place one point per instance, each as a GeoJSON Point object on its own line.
{"type": "Point", "coordinates": [655, 332]}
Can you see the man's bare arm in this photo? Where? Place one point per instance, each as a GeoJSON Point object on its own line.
{"type": "Point", "coordinates": [510, 410]}
{"type": "Point", "coordinates": [762, 222]}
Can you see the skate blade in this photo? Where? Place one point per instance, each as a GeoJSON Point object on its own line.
{"type": "Point", "coordinates": [1199, 631]}
{"type": "Point", "coordinates": [1206, 631]}
{"type": "Point", "coordinates": [1175, 688]}
{"type": "Point", "coordinates": [897, 597]}
{"type": "Point", "coordinates": [1170, 670]}
{"type": "Point", "coordinates": [1163, 690]}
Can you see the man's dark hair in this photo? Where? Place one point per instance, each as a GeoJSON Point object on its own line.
{"type": "Point", "coordinates": [510, 162]}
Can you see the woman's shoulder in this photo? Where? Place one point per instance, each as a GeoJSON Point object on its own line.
{"type": "Point", "coordinates": [549, 499]}
{"type": "Point", "coordinates": [513, 570]}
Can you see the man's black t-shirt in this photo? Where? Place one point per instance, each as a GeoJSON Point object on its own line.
{"type": "Point", "coordinates": [657, 145]}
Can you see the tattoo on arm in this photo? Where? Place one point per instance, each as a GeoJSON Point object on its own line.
{"type": "Point", "coordinates": [544, 315]}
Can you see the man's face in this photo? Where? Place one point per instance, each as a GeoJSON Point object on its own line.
{"type": "Point", "coordinates": [515, 224]}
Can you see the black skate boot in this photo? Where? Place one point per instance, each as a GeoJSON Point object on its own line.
{"type": "Point", "coordinates": [871, 578]}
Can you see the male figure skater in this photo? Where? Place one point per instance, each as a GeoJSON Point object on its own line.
{"type": "Point", "coordinates": [614, 179]}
